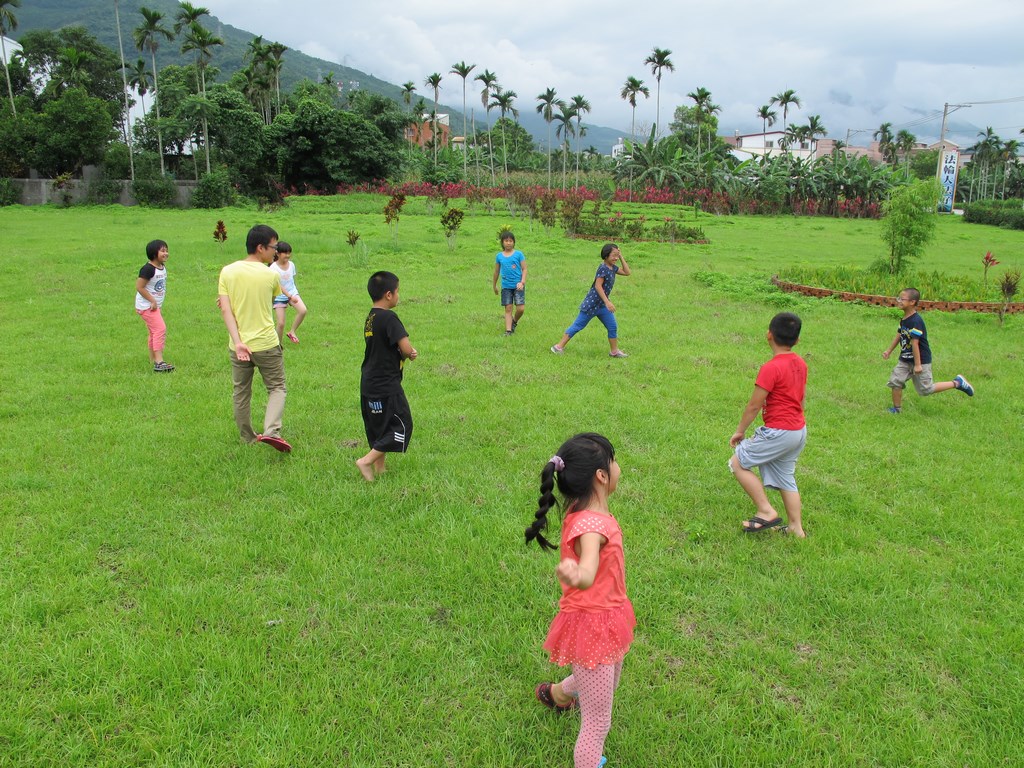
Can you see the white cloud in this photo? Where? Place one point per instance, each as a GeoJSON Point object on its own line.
{"type": "Point", "coordinates": [856, 65]}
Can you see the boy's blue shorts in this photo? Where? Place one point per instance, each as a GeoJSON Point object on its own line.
{"type": "Point", "coordinates": [774, 452]}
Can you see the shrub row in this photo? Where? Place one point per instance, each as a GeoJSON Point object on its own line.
{"type": "Point", "coordinates": [1008, 214]}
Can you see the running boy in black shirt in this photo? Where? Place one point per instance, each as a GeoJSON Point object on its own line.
{"type": "Point", "coordinates": [386, 414]}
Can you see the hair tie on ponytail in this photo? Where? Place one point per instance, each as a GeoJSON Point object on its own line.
{"type": "Point", "coordinates": [557, 461]}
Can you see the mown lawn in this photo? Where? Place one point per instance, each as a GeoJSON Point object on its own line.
{"type": "Point", "coordinates": [170, 597]}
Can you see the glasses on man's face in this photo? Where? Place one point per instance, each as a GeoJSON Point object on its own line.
{"type": "Point", "coordinates": [271, 247]}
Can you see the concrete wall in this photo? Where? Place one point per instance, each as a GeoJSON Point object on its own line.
{"type": "Point", "coordinates": [41, 192]}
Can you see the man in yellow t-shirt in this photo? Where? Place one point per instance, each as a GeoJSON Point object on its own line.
{"type": "Point", "coordinates": [245, 293]}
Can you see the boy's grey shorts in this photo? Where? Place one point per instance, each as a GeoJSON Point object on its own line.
{"type": "Point", "coordinates": [513, 296]}
{"type": "Point", "coordinates": [905, 370]}
{"type": "Point", "coordinates": [774, 452]}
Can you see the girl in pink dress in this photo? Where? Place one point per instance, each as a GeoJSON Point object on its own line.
{"type": "Point", "coordinates": [594, 626]}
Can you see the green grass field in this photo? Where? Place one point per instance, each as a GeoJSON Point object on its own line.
{"type": "Point", "coordinates": [170, 597]}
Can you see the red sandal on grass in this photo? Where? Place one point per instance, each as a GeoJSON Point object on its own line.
{"type": "Point", "coordinates": [543, 692]}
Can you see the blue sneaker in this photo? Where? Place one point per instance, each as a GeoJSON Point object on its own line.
{"type": "Point", "coordinates": [603, 761]}
{"type": "Point", "coordinates": [964, 385]}
{"type": "Point", "coordinates": [894, 409]}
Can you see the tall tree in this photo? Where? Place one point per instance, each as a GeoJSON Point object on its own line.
{"type": "Point", "coordinates": [547, 102]}
{"type": "Point", "coordinates": [147, 38]}
{"type": "Point", "coordinates": [124, 84]}
{"type": "Point", "coordinates": [8, 23]}
{"type": "Point", "coordinates": [629, 92]}
{"type": "Point", "coordinates": [202, 41]}
{"type": "Point", "coordinates": [462, 69]}
{"type": "Point", "coordinates": [564, 130]}
{"type": "Point", "coordinates": [659, 61]}
{"type": "Point", "coordinates": [188, 15]}
{"type": "Point", "coordinates": [408, 89]}
{"type": "Point", "coordinates": [490, 83]}
{"type": "Point", "coordinates": [784, 99]}
{"type": "Point", "coordinates": [580, 106]}
{"type": "Point", "coordinates": [276, 52]}
{"type": "Point", "coordinates": [815, 128]}
{"type": "Point", "coordinates": [141, 80]}
{"type": "Point", "coordinates": [884, 137]}
{"type": "Point", "coordinates": [503, 102]}
{"type": "Point", "coordinates": [767, 116]}
{"type": "Point", "coordinates": [434, 81]}
{"type": "Point", "coordinates": [701, 98]}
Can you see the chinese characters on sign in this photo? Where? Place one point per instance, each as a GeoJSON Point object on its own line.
{"type": "Point", "coordinates": [947, 176]}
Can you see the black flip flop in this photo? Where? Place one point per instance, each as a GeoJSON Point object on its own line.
{"type": "Point", "coordinates": [757, 524]}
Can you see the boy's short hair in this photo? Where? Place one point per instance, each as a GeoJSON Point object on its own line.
{"type": "Point", "coordinates": [380, 283]}
{"type": "Point", "coordinates": [607, 250]}
{"type": "Point", "coordinates": [259, 235]}
{"type": "Point", "coordinates": [153, 248]}
{"type": "Point", "coordinates": [505, 235]}
{"type": "Point", "coordinates": [785, 328]}
{"type": "Point", "coordinates": [913, 294]}
{"type": "Point", "coordinates": [283, 247]}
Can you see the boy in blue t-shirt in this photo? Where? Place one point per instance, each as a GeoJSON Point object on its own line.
{"type": "Point", "coordinates": [915, 355]}
{"type": "Point", "coordinates": [510, 265]}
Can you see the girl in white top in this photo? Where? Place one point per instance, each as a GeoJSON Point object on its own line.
{"type": "Point", "coordinates": [150, 288]}
{"type": "Point", "coordinates": [285, 268]}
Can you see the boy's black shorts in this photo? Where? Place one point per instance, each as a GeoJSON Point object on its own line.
{"type": "Point", "coordinates": [388, 422]}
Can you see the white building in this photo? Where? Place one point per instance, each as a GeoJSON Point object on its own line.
{"type": "Point", "coordinates": [748, 145]}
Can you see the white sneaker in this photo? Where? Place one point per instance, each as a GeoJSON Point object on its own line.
{"type": "Point", "coordinates": [556, 350]}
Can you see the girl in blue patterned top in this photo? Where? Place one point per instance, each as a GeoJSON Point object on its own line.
{"type": "Point", "coordinates": [597, 302]}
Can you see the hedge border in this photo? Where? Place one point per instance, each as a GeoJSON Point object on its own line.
{"type": "Point", "coordinates": [889, 301]}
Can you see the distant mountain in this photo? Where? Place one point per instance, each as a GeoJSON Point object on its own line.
{"type": "Point", "coordinates": [97, 16]}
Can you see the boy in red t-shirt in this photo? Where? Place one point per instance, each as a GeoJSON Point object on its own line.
{"type": "Point", "coordinates": [774, 448]}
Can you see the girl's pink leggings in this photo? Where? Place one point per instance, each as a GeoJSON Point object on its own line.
{"type": "Point", "coordinates": [596, 690]}
{"type": "Point", "coordinates": [157, 328]}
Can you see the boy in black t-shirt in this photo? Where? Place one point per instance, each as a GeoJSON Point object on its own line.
{"type": "Point", "coordinates": [915, 360]}
{"type": "Point", "coordinates": [386, 414]}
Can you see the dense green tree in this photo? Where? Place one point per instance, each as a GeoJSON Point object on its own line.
{"type": "Point", "coordinates": [319, 147]}
{"type": "Point", "coordinates": [58, 57]}
{"type": "Point", "coordinates": [383, 112]}
{"type": "Point", "coordinates": [237, 133]}
{"type": "Point", "coordinates": [71, 131]}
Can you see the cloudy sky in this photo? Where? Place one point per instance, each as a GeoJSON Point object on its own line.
{"type": "Point", "coordinates": [856, 65]}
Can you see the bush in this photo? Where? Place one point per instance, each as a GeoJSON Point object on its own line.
{"type": "Point", "coordinates": [116, 162]}
{"type": "Point", "coordinates": [1008, 214]}
{"type": "Point", "coordinates": [214, 190]}
{"type": "Point", "coordinates": [158, 193]}
{"type": "Point", "coordinates": [10, 193]}
{"type": "Point", "coordinates": [103, 192]}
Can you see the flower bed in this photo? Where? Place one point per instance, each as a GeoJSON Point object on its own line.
{"type": "Point", "coordinates": [890, 301]}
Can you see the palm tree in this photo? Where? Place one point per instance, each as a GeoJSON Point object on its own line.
{"type": "Point", "coordinates": [140, 79]}
{"type": "Point", "coordinates": [629, 92]}
{"type": "Point", "coordinates": [580, 106]}
{"type": "Point", "coordinates": [884, 137]}
{"type": "Point", "coordinates": [462, 69]}
{"type": "Point", "coordinates": [408, 89]}
{"type": "Point", "coordinates": [905, 142]}
{"type": "Point", "coordinates": [564, 119]}
{"type": "Point", "coordinates": [276, 64]}
{"type": "Point", "coordinates": [784, 99]}
{"type": "Point", "coordinates": [659, 61]}
{"type": "Point", "coordinates": [147, 38]}
{"type": "Point", "coordinates": [546, 107]}
{"type": "Point", "coordinates": [503, 101]}
{"type": "Point", "coordinates": [434, 81]}
{"type": "Point", "coordinates": [71, 64]}
{"type": "Point", "coordinates": [767, 116]}
{"type": "Point", "coordinates": [202, 41]}
{"type": "Point", "coordinates": [124, 85]}
{"type": "Point", "coordinates": [490, 83]}
{"type": "Point", "coordinates": [815, 129]}
{"type": "Point", "coordinates": [188, 15]}
{"type": "Point", "coordinates": [701, 99]}
{"type": "Point", "coordinates": [8, 23]}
